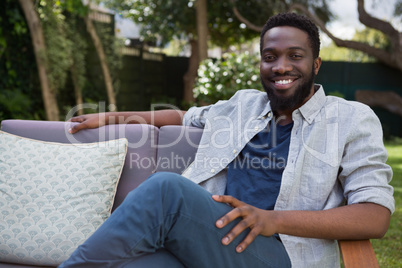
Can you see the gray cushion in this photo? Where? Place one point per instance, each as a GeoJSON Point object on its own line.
{"type": "Point", "coordinates": [177, 146]}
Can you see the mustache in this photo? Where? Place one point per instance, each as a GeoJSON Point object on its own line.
{"type": "Point", "coordinates": [287, 74]}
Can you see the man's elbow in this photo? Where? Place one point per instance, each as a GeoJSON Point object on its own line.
{"type": "Point", "coordinates": [383, 221]}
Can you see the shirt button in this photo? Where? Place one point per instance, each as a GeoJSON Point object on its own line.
{"type": "Point", "coordinates": [212, 170]}
{"type": "Point", "coordinates": [256, 128]}
{"type": "Point", "coordinates": [234, 151]}
{"type": "Point", "coordinates": [269, 114]}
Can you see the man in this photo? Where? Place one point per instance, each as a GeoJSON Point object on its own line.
{"type": "Point", "coordinates": [300, 171]}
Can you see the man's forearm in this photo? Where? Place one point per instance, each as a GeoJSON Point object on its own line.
{"type": "Point", "coordinates": [357, 221]}
{"type": "Point", "coordinates": [156, 118]}
{"type": "Point", "coordinates": [354, 222]}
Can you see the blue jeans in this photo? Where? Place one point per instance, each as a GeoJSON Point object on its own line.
{"type": "Point", "coordinates": [169, 221]}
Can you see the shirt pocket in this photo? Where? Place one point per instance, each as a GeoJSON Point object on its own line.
{"type": "Point", "coordinates": [318, 179]}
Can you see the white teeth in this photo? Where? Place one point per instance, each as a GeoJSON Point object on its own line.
{"type": "Point", "coordinates": [284, 82]}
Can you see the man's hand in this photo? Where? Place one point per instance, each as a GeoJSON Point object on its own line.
{"type": "Point", "coordinates": [88, 121]}
{"type": "Point", "coordinates": [350, 222]}
{"type": "Point", "coordinates": [254, 218]}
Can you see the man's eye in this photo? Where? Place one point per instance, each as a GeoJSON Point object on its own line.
{"type": "Point", "coordinates": [297, 56]}
{"type": "Point", "coordinates": [269, 58]}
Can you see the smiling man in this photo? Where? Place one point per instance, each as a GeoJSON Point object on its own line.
{"type": "Point", "coordinates": [302, 171]}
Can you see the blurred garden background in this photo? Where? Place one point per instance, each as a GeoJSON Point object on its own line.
{"type": "Point", "coordinates": [60, 58]}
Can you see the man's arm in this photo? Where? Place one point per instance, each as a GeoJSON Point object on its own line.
{"type": "Point", "coordinates": [156, 118]}
{"type": "Point", "coordinates": [355, 221]}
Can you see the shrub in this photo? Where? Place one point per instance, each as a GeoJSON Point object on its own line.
{"type": "Point", "coordinates": [219, 79]}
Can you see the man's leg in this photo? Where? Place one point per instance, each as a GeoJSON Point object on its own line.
{"type": "Point", "coordinates": [169, 211]}
{"type": "Point", "coordinates": [160, 259]}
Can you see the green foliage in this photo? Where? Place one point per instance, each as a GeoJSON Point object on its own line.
{"type": "Point", "coordinates": [220, 79]}
{"type": "Point", "coordinates": [389, 247]}
{"type": "Point", "coordinates": [75, 7]}
{"type": "Point", "coordinates": [398, 8]}
{"type": "Point", "coordinates": [80, 44]}
{"type": "Point", "coordinates": [112, 47]}
{"type": "Point", "coordinates": [166, 20]}
{"type": "Point", "coordinates": [20, 95]}
{"type": "Point", "coordinates": [336, 94]}
{"type": "Point", "coordinates": [17, 103]}
{"type": "Point", "coordinates": [68, 45]}
{"type": "Point", "coordinates": [369, 36]}
{"type": "Point", "coordinates": [58, 46]}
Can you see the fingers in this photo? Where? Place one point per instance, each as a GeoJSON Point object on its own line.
{"type": "Point", "coordinates": [228, 199]}
{"type": "Point", "coordinates": [79, 119]}
{"type": "Point", "coordinates": [245, 223]}
{"type": "Point", "coordinates": [250, 220]}
{"type": "Point", "coordinates": [248, 240]}
{"type": "Point", "coordinates": [77, 128]}
{"type": "Point", "coordinates": [86, 121]}
{"type": "Point", "coordinates": [233, 214]}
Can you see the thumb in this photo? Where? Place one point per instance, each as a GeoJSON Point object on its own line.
{"type": "Point", "coordinates": [77, 127]}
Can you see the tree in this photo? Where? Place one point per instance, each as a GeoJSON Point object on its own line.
{"type": "Point", "coordinates": [38, 41]}
{"type": "Point", "coordinates": [166, 20]}
{"type": "Point", "coordinates": [390, 54]}
{"type": "Point", "coordinates": [391, 57]}
{"type": "Point", "coordinates": [102, 58]}
{"type": "Point", "coordinates": [370, 36]}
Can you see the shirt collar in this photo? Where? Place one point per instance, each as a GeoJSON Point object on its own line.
{"type": "Point", "coordinates": [311, 108]}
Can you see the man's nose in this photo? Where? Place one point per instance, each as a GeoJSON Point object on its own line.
{"type": "Point", "coordinates": [282, 66]}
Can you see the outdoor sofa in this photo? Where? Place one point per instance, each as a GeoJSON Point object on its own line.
{"type": "Point", "coordinates": [150, 149]}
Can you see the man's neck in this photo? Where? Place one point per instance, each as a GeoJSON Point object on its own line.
{"type": "Point", "coordinates": [284, 117]}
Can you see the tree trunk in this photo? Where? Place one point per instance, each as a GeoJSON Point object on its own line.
{"type": "Point", "coordinates": [191, 74]}
{"type": "Point", "coordinates": [199, 51]}
{"type": "Point", "coordinates": [387, 100]}
{"type": "Point", "coordinates": [102, 58]}
{"type": "Point", "coordinates": [38, 41]}
{"type": "Point", "coordinates": [202, 29]}
{"type": "Point", "coordinates": [77, 91]}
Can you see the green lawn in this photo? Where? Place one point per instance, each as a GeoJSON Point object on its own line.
{"type": "Point", "coordinates": [389, 248]}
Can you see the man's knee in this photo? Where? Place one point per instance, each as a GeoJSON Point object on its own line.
{"type": "Point", "coordinates": [165, 179]}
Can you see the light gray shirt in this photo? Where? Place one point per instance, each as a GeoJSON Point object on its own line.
{"type": "Point", "coordinates": [336, 157]}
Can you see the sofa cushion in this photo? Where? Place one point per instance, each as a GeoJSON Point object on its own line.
{"type": "Point", "coordinates": [177, 146]}
{"type": "Point", "coordinates": [142, 142]}
{"type": "Point", "coordinates": [53, 196]}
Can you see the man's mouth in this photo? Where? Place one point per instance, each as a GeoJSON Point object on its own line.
{"type": "Point", "coordinates": [284, 82]}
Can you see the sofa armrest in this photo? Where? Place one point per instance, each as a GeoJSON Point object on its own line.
{"type": "Point", "coordinates": [357, 253]}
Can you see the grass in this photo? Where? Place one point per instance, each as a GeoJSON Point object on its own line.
{"type": "Point", "coordinates": [388, 249]}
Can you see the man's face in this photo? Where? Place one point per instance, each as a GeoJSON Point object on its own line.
{"type": "Point", "coordinates": [287, 67]}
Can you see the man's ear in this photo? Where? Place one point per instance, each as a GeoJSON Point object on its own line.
{"type": "Point", "coordinates": [317, 65]}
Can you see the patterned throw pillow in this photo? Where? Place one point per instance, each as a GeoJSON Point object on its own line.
{"type": "Point", "coordinates": [53, 196]}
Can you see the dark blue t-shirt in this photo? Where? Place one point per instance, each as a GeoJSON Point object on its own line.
{"type": "Point", "coordinates": [255, 176]}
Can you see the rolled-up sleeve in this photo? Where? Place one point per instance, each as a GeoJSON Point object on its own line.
{"type": "Point", "coordinates": [196, 116]}
{"type": "Point", "coordinates": [364, 173]}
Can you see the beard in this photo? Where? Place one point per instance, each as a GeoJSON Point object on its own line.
{"type": "Point", "coordinates": [285, 103]}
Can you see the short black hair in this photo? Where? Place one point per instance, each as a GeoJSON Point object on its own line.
{"type": "Point", "coordinates": [298, 21]}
